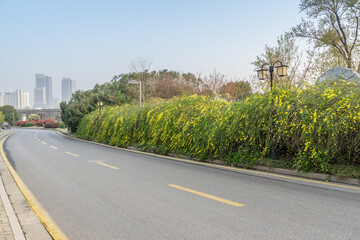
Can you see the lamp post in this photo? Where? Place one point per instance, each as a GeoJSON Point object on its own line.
{"type": "Point", "coordinates": [43, 120]}
{"type": "Point", "coordinates": [136, 82]}
{"type": "Point", "coordinates": [281, 70]}
{"type": "Point", "coordinates": [100, 105]}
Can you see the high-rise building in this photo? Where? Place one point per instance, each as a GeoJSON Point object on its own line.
{"type": "Point", "coordinates": [25, 100]}
{"type": "Point", "coordinates": [2, 99]}
{"type": "Point", "coordinates": [12, 99]}
{"type": "Point", "coordinates": [39, 97]}
{"type": "Point", "coordinates": [48, 89]}
{"type": "Point", "coordinates": [17, 99]}
{"type": "Point", "coordinates": [43, 91]}
{"type": "Point", "coordinates": [68, 87]}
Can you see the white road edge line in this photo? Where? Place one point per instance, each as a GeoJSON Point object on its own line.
{"type": "Point", "coordinates": [14, 223]}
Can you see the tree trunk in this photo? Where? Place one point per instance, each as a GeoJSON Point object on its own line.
{"type": "Point", "coordinates": [349, 62]}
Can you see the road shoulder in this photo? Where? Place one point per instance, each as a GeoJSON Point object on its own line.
{"type": "Point", "coordinates": [30, 225]}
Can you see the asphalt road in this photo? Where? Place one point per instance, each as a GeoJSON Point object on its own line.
{"type": "Point", "coordinates": [95, 192]}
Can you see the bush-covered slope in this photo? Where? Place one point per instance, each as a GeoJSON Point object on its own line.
{"type": "Point", "coordinates": [312, 129]}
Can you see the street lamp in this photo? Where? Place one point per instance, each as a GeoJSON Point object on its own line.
{"type": "Point", "coordinates": [43, 120]}
{"type": "Point", "coordinates": [136, 82]}
{"type": "Point", "coordinates": [281, 70]}
{"type": "Point", "coordinates": [100, 105]}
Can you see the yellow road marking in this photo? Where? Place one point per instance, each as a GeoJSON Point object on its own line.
{"type": "Point", "coordinates": [53, 147]}
{"type": "Point", "coordinates": [208, 196]}
{"type": "Point", "coordinates": [107, 165]}
{"type": "Point", "coordinates": [221, 166]}
{"type": "Point", "coordinates": [72, 154]}
{"type": "Point", "coordinates": [43, 216]}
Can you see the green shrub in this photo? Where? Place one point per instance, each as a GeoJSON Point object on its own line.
{"type": "Point", "coordinates": [29, 124]}
{"type": "Point", "coordinates": [311, 129]}
{"type": "Point", "coordinates": [61, 125]}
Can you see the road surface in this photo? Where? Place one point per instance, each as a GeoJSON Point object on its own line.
{"type": "Point", "coordinates": [96, 192]}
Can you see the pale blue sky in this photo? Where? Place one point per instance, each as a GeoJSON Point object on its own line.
{"type": "Point", "coordinates": [91, 41]}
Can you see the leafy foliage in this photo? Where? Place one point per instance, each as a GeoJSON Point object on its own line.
{"type": "Point", "coordinates": [2, 117]}
{"type": "Point", "coordinates": [115, 92]}
{"type": "Point", "coordinates": [236, 90]}
{"type": "Point", "coordinates": [163, 84]}
{"type": "Point", "coordinates": [336, 28]}
{"type": "Point", "coordinates": [311, 129]}
{"type": "Point", "coordinates": [34, 117]}
{"type": "Point", "coordinates": [7, 110]}
{"type": "Point", "coordinates": [29, 124]}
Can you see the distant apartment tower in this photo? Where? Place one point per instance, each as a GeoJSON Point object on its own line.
{"type": "Point", "coordinates": [68, 87]}
{"type": "Point", "coordinates": [25, 100]}
{"type": "Point", "coordinates": [17, 99]}
{"type": "Point", "coordinates": [43, 91]}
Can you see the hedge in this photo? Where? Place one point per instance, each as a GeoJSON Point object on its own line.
{"type": "Point", "coordinates": [29, 124]}
{"type": "Point", "coordinates": [311, 128]}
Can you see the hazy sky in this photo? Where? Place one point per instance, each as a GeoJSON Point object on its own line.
{"type": "Point", "coordinates": [91, 41]}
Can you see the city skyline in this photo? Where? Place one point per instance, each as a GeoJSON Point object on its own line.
{"type": "Point", "coordinates": [18, 99]}
{"type": "Point", "coordinates": [180, 36]}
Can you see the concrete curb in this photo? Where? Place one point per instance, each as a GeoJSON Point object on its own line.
{"type": "Point", "coordinates": [315, 176]}
{"type": "Point", "coordinates": [13, 221]}
{"type": "Point", "coordinates": [29, 222]}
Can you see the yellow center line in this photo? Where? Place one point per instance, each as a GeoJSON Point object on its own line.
{"type": "Point", "coordinates": [72, 154]}
{"type": "Point", "coordinates": [208, 196]}
{"type": "Point", "coordinates": [53, 147]}
{"type": "Point", "coordinates": [107, 165]}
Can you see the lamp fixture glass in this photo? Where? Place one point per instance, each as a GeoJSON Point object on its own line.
{"type": "Point", "coordinates": [262, 73]}
{"type": "Point", "coordinates": [281, 70]}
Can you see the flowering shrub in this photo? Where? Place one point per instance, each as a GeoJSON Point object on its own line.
{"type": "Point", "coordinates": [21, 123]}
{"type": "Point", "coordinates": [311, 128]}
{"type": "Point", "coordinates": [49, 120]}
{"type": "Point", "coordinates": [39, 122]}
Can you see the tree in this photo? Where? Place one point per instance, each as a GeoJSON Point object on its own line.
{"type": "Point", "coordinates": [7, 111]}
{"type": "Point", "coordinates": [213, 82]}
{"type": "Point", "coordinates": [287, 51]}
{"type": "Point", "coordinates": [34, 117]}
{"type": "Point", "coordinates": [115, 92]}
{"type": "Point", "coordinates": [236, 90]}
{"type": "Point", "coordinates": [140, 68]}
{"type": "Point", "coordinates": [167, 84]}
{"type": "Point", "coordinates": [2, 117]}
{"type": "Point", "coordinates": [337, 28]}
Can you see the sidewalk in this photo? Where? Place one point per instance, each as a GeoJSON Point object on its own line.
{"type": "Point", "coordinates": [5, 229]}
{"type": "Point", "coordinates": [17, 220]}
